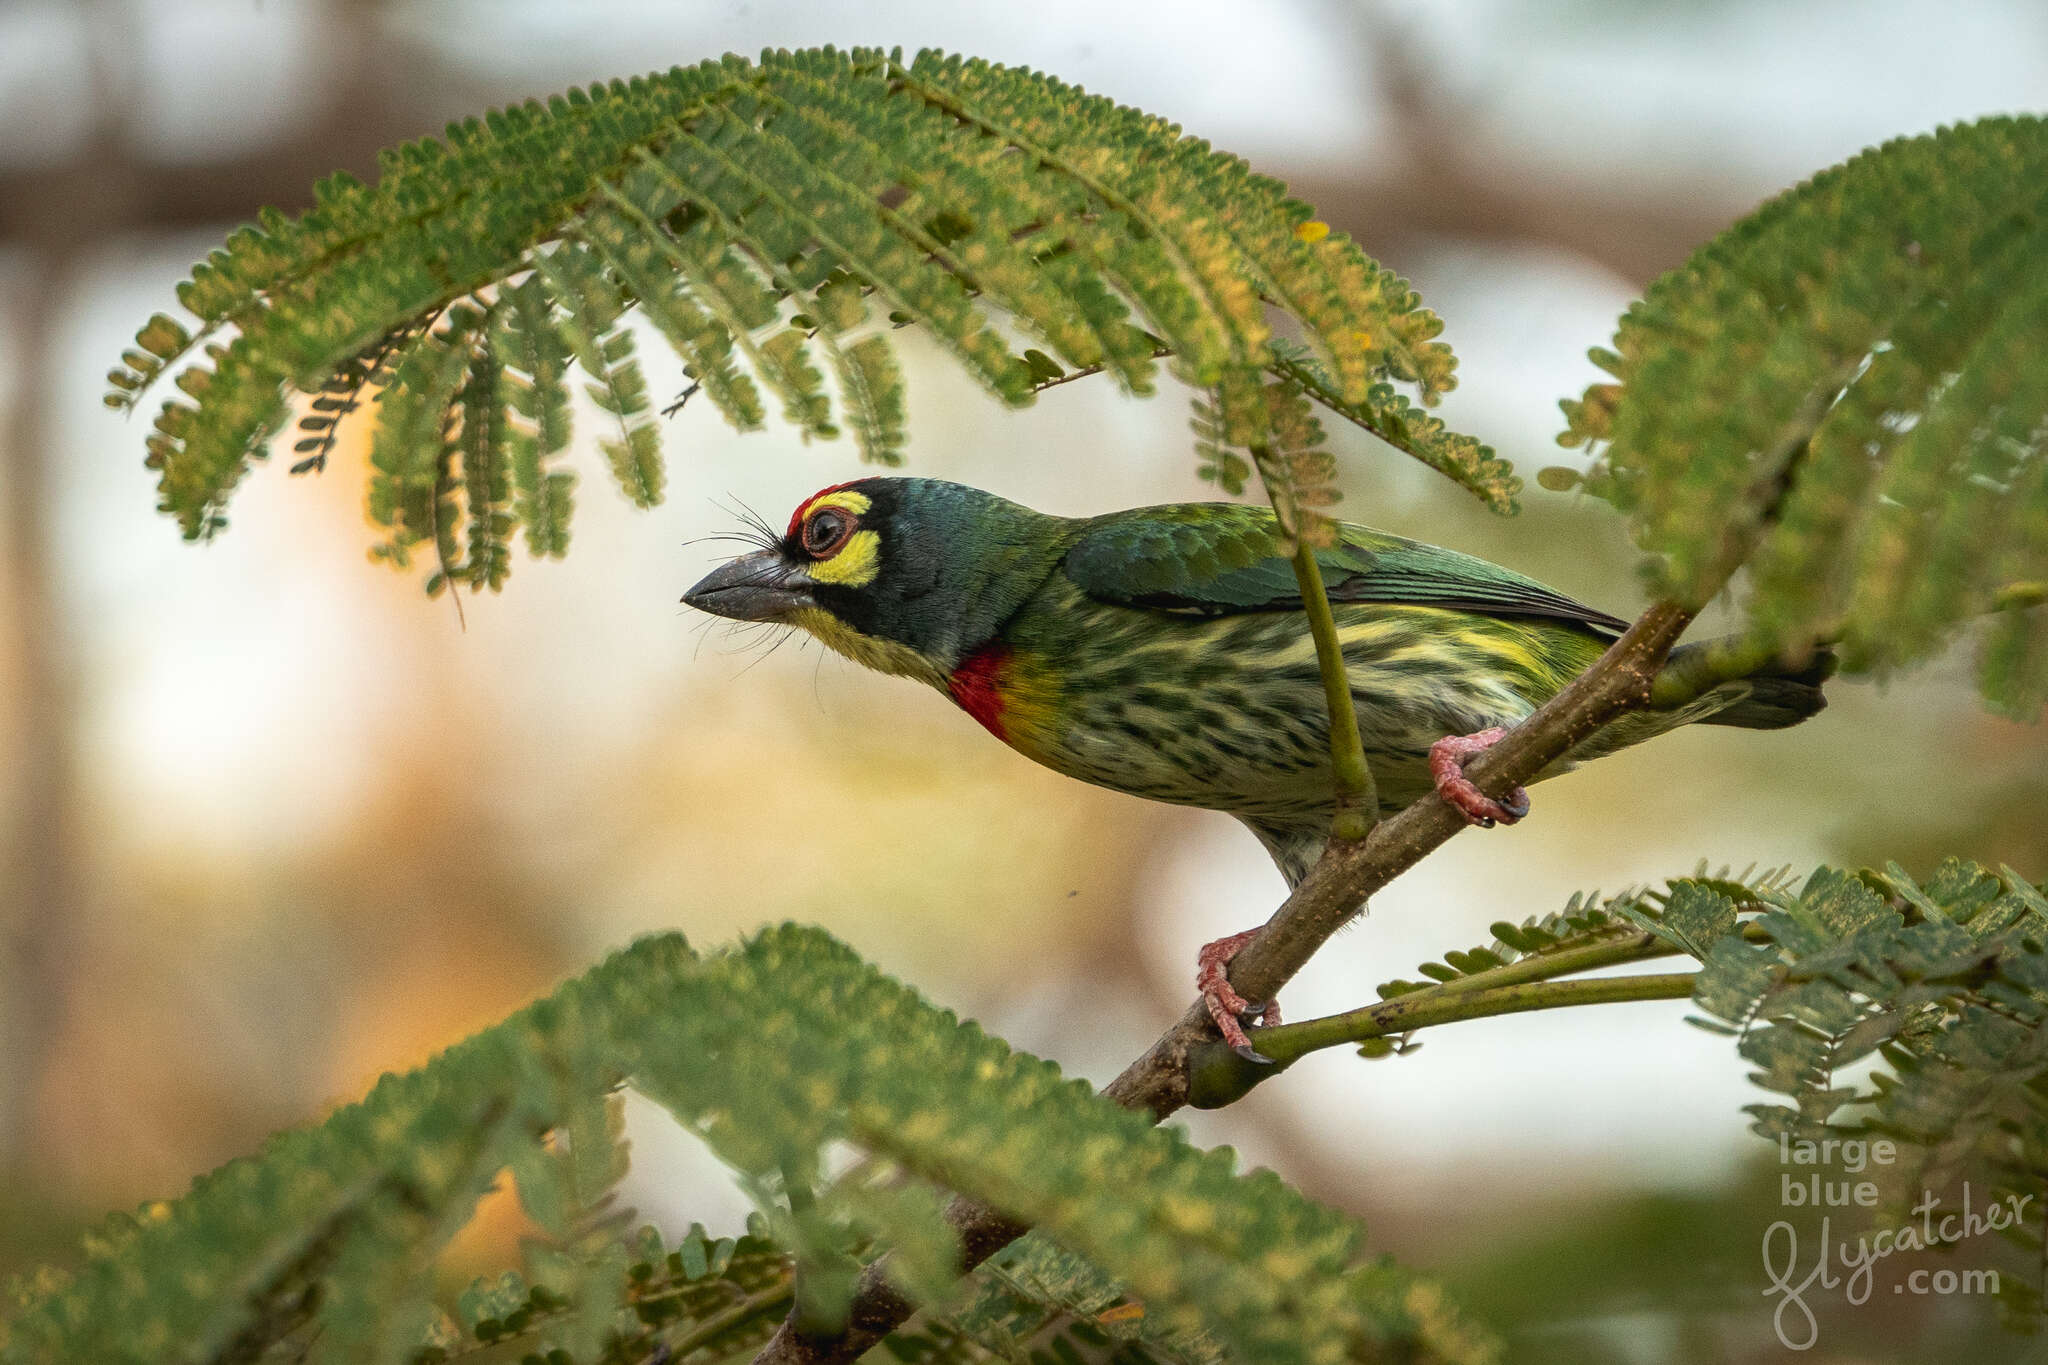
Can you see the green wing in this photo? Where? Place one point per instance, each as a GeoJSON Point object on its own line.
{"type": "Point", "coordinates": [1220, 559]}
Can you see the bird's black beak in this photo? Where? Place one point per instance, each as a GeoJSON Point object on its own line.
{"type": "Point", "coordinates": [762, 586]}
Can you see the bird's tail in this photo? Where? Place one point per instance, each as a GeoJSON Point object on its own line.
{"type": "Point", "coordinates": [1774, 697]}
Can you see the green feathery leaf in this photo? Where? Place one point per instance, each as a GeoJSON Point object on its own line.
{"type": "Point", "coordinates": [1300, 477]}
{"type": "Point", "coordinates": [747, 210]}
{"type": "Point", "coordinates": [1847, 392]}
{"type": "Point", "coordinates": [408, 456]}
{"type": "Point", "coordinates": [777, 1053]}
{"type": "Point", "coordinates": [486, 455]}
{"type": "Point", "coordinates": [534, 377]}
{"type": "Point", "coordinates": [1870, 1005]}
{"type": "Point", "coordinates": [1220, 464]}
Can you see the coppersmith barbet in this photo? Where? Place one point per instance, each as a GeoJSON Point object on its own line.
{"type": "Point", "coordinates": [1164, 652]}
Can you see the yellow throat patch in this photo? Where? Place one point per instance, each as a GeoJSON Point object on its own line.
{"type": "Point", "coordinates": [869, 651]}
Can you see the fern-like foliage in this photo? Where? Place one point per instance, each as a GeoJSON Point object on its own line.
{"type": "Point", "coordinates": [1871, 1005]}
{"type": "Point", "coordinates": [1944, 979]}
{"type": "Point", "coordinates": [777, 1053]}
{"type": "Point", "coordinates": [1875, 1005]}
{"type": "Point", "coordinates": [773, 221]}
{"type": "Point", "coordinates": [1590, 921]}
{"type": "Point", "coordinates": [1848, 392]}
{"type": "Point", "coordinates": [720, 1299]}
{"type": "Point", "coordinates": [704, 1298]}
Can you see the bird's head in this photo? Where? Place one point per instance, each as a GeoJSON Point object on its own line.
{"type": "Point", "coordinates": [902, 575]}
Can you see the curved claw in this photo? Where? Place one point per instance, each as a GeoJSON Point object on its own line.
{"type": "Point", "coordinates": [1447, 766]}
{"type": "Point", "coordinates": [1252, 1054]}
{"type": "Point", "coordinates": [1226, 1006]}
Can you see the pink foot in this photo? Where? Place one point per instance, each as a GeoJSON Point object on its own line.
{"type": "Point", "coordinates": [1447, 765]}
{"type": "Point", "coordinates": [1225, 1004]}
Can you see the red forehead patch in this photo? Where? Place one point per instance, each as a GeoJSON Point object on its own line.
{"type": "Point", "coordinates": [796, 518]}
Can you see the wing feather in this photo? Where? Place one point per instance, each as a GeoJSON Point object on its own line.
{"type": "Point", "coordinates": [1219, 559]}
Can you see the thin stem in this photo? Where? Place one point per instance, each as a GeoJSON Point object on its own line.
{"type": "Point", "coordinates": [1296, 373]}
{"type": "Point", "coordinates": [1218, 1076]}
{"type": "Point", "coordinates": [768, 1300]}
{"type": "Point", "coordinates": [1425, 1009]}
{"type": "Point", "coordinates": [1085, 371]}
{"type": "Point", "coordinates": [2019, 596]}
{"type": "Point", "coordinates": [1634, 946]}
{"type": "Point", "coordinates": [1358, 801]}
{"type": "Point", "coordinates": [1214, 1081]}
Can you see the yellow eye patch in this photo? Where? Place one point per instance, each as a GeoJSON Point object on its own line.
{"type": "Point", "coordinates": [854, 564]}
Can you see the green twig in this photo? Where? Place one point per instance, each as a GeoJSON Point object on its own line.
{"type": "Point", "coordinates": [2019, 596]}
{"type": "Point", "coordinates": [1088, 371]}
{"type": "Point", "coordinates": [1358, 802]}
{"type": "Point", "coordinates": [1311, 382]}
{"type": "Point", "coordinates": [774, 1298]}
{"type": "Point", "coordinates": [1629, 945]}
{"type": "Point", "coordinates": [1218, 1076]}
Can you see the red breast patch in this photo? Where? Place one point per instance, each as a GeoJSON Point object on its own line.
{"type": "Point", "coordinates": [977, 685]}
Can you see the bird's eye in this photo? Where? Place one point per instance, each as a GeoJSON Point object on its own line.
{"type": "Point", "coordinates": [825, 531]}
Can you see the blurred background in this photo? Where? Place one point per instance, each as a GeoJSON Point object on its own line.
{"type": "Point", "coordinates": [274, 822]}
